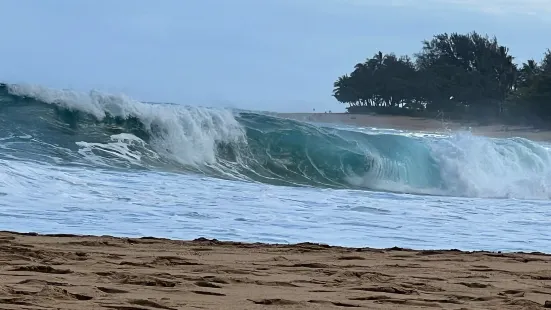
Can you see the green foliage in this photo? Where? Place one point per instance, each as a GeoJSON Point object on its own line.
{"type": "Point", "coordinates": [466, 76]}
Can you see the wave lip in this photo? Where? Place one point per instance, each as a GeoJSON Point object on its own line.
{"type": "Point", "coordinates": [98, 129]}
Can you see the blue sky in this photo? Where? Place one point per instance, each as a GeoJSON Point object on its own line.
{"type": "Point", "coordinates": [278, 55]}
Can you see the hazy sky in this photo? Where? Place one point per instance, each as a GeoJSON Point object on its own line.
{"type": "Point", "coordinates": [279, 55]}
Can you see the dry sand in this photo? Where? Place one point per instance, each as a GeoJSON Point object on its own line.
{"type": "Point", "coordinates": [76, 272]}
{"type": "Point", "coordinates": [422, 125]}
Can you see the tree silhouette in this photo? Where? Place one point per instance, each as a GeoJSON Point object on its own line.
{"type": "Point", "coordinates": [468, 76]}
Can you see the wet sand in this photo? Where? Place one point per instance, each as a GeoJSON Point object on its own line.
{"type": "Point", "coordinates": [85, 272]}
{"type": "Point", "coordinates": [422, 125]}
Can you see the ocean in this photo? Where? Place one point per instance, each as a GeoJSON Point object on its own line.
{"type": "Point", "coordinates": [102, 164]}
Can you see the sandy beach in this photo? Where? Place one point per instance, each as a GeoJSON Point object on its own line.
{"type": "Point", "coordinates": [422, 125]}
{"type": "Point", "coordinates": [86, 272]}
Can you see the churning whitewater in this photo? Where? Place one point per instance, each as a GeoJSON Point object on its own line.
{"type": "Point", "coordinates": [102, 131]}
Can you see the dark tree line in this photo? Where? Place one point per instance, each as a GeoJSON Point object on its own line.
{"type": "Point", "coordinates": [461, 76]}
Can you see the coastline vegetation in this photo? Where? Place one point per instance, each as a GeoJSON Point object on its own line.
{"type": "Point", "coordinates": [461, 77]}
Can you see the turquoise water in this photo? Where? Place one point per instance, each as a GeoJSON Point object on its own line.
{"type": "Point", "coordinates": [94, 163]}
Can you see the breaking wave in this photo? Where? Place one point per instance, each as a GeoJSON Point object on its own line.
{"type": "Point", "coordinates": [63, 127]}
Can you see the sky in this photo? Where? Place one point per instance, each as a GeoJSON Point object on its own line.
{"type": "Point", "coordinates": [270, 55]}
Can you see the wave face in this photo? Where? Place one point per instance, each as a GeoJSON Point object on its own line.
{"type": "Point", "coordinates": [100, 130]}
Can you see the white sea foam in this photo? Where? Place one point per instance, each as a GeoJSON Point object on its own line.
{"type": "Point", "coordinates": [477, 166]}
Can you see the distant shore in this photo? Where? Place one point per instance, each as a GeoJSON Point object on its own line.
{"type": "Point", "coordinates": [421, 125]}
{"type": "Point", "coordinates": [87, 272]}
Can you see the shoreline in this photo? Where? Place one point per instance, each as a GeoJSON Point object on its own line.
{"type": "Point", "coordinates": [426, 125]}
{"type": "Point", "coordinates": [102, 272]}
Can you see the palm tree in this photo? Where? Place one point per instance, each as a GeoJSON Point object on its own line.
{"type": "Point", "coordinates": [343, 90]}
{"type": "Point", "coordinates": [546, 62]}
{"type": "Point", "coordinates": [527, 73]}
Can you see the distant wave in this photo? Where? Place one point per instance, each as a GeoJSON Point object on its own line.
{"type": "Point", "coordinates": [100, 130]}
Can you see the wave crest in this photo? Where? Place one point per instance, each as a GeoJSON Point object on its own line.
{"type": "Point", "coordinates": [187, 135]}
